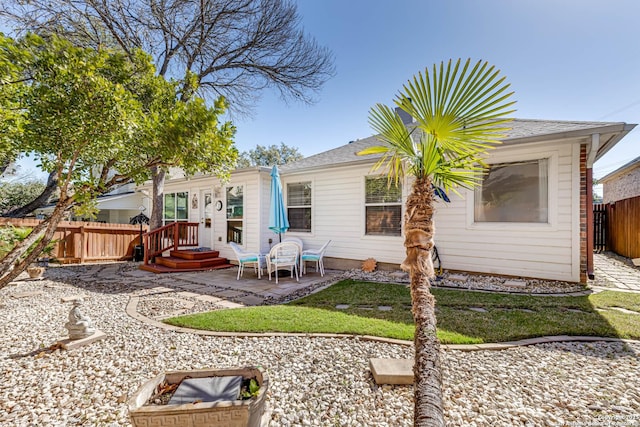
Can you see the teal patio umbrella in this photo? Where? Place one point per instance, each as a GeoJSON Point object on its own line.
{"type": "Point", "coordinates": [278, 221]}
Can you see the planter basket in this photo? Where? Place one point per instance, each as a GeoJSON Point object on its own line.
{"type": "Point", "coordinates": [236, 413]}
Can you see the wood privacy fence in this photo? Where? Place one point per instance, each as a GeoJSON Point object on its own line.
{"type": "Point", "coordinates": [78, 242]}
{"type": "Point", "coordinates": [600, 227]}
{"type": "Point", "coordinates": [623, 227]}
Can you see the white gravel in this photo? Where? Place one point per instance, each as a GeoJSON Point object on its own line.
{"type": "Point", "coordinates": [314, 381]}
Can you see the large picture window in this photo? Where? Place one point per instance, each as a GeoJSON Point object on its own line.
{"type": "Point", "coordinates": [383, 207]}
{"type": "Point", "coordinates": [299, 206]}
{"type": "Point", "coordinates": [176, 207]}
{"type": "Point", "coordinates": [514, 192]}
{"type": "Point", "coordinates": [235, 214]}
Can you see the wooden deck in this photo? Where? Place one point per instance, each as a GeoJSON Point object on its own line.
{"type": "Point", "coordinates": [187, 260]}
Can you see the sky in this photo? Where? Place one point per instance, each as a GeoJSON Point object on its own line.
{"type": "Point", "coordinates": [565, 60]}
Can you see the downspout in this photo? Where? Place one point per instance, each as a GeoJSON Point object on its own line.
{"type": "Point", "coordinates": [591, 157]}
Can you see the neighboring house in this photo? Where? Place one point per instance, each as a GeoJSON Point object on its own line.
{"type": "Point", "coordinates": [623, 183]}
{"type": "Point", "coordinates": [116, 207]}
{"type": "Point", "coordinates": [530, 218]}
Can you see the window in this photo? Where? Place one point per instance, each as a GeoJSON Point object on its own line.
{"type": "Point", "coordinates": [299, 206]}
{"type": "Point", "coordinates": [235, 208]}
{"type": "Point", "coordinates": [383, 207]}
{"type": "Point", "coordinates": [176, 207]}
{"type": "Point", "coordinates": [514, 192]}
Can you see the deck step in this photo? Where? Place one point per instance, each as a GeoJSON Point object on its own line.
{"type": "Point", "coordinates": [159, 268]}
{"type": "Point", "coordinates": [181, 264]}
{"type": "Point", "coordinates": [188, 260]}
{"type": "Point", "coordinates": [187, 254]}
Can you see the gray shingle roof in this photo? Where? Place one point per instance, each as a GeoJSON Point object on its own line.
{"type": "Point", "coordinates": [521, 131]}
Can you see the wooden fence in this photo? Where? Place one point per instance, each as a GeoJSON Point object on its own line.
{"type": "Point", "coordinates": [599, 227]}
{"type": "Point", "coordinates": [623, 227]}
{"type": "Point", "coordinates": [78, 242]}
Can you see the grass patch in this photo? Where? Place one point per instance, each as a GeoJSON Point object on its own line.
{"type": "Point", "coordinates": [506, 317]}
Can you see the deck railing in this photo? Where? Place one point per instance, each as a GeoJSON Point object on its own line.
{"type": "Point", "coordinates": [171, 236]}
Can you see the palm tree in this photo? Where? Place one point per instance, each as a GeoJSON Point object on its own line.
{"type": "Point", "coordinates": [459, 112]}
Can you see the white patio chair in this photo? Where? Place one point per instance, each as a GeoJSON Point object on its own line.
{"type": "Point", "coordinates": [283, 256]}
{"type": "Point", "coordinates": [314, 255]}
{"type": "Point", "coordinates": [246, 258]}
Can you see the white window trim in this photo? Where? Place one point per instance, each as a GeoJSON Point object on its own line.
{"type": "Point", "coordinates": [363, 210]}
{"type": "Point", "coordinates": [285, 195]}
{"type": "Point", "coordinates": [552, 219]}
{"type": "Point", "coordinates": [189, 210]}
{"type": "Point", "coordinates": [244, 210]}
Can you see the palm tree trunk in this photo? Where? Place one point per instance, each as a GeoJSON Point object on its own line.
{"type": "Point", "coordinates": [419, 231]}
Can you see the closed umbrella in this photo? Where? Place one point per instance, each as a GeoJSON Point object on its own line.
{"type": "Point", "coordinates": [278, 221]}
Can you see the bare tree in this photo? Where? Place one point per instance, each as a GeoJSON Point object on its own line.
{"type": "Point", "coordinates": [233, 48]}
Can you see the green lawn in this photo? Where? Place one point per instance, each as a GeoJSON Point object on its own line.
{"type": "Point", "coordinates": [507, 317]}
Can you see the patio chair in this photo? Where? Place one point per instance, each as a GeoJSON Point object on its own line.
{"type": "Point", "coordinates": [246, 258]}
{"type": "Point", "coordinates": [297, 242]}
{"type": "Point", "coordinates": [314, 255]}
{"type": "Point", "coordinates": [283, 256]}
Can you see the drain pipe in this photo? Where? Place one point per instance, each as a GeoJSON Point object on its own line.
{"type": "Point", "coordinates": [591, 157]}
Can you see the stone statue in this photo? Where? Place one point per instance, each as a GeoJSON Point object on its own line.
{"type": "Point", "coordinates": [79, 325]}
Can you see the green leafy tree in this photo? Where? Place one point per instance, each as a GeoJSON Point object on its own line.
{"type": "Point", "coordinates": [233, 48]}
{"type": "Point", "coordinates": [10, 117]}
{"type": "Point", "coordinates": [459, 113]}
{"type": "Point", "coordinates": [15, 193]}
{"type": "Point", "coordinates": [92, 116]}
{"type": "Point", "coordinates": [269, 156]}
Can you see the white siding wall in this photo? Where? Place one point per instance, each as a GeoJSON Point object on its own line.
{"type": "Point", "coordinates": [253, 183]}
{"type": "Point", "coordinates": [547, 251]}
{"type": "Point", "coordinates": [338, 214]}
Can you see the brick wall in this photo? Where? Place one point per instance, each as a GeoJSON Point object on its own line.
{"type": "Point", "coordinates": [622, 187]}
{"type": "Point", "coordinates": [583, 213]}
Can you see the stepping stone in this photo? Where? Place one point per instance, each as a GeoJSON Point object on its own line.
{"type": "Point", "coordinates": [385, 308]}
{"type": "Point", "coordinates": [229, 304]}
{"type": "Point", "coordinates": [342, 306]}
{"type": "Point", "coordinates": [516, 283]}
{"type": "Point", "coordinates": [478, 309]}
{"type": "Point", "coordinates": [624, 310]}
{"type": "Point", "coordinates": [26, 294]}
{"type": "Point", "coordinates": [250, 300]}
{"type": "Point", "coordinates": [392, 371]}
{"type": "Point", "coordinates": [69, 344]}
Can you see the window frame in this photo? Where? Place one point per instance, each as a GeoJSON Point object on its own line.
{"type": "Point", "coordinates": [228, 219]}
{"type": "Point", "coordinates": [310, 206]}
{"type": "Point", "coordinates": [552, 195]}
{"type": "Point", "coordinates": [175, 218]}
{"type": "Point", "coordinates": [365, 205]}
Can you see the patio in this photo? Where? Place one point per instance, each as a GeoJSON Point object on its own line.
{"type": "Point", "coordinates": [249, 290]}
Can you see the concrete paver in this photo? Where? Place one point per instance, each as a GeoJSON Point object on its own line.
{"type": "Point", "coordinates": [613, 271]}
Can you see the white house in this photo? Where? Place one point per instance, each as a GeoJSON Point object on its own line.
{"type": "Point", "coordinates": [529, 219]}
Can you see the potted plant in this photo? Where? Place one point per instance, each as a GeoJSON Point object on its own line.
{"type": "Point", "coordinates": [35, 271]}
{"type": "Point", "coordinates": [156, 402]}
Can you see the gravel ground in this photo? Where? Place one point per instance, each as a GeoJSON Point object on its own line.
{"type": "Point", "coordinates": [314, 381]}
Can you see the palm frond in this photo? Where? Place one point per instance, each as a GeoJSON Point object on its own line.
{"type": "Point", "coordinates": [460, 111]}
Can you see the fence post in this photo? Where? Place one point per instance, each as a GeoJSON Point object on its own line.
{"type": "Point", "coordinates": [82, 243]}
